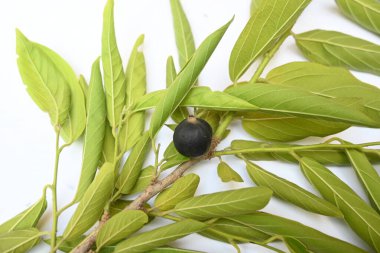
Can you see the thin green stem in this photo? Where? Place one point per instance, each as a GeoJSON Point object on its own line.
{"type": "Point", "coordinates": [60, 211]}
{"type": "Point", "coordinates": [268, 56]}
{"type": "Point", "coordinates": [223, 125]}
{"type": "Point", "coordinates": [53, 187]}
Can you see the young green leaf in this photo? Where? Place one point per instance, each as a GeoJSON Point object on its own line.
{"type": "Point", "coordinates": [324, 156]}
{"type": "Point", "coordinates": [159, 237]}
{"type": "Point", "coordinates": [291, 192]}
{"type": "Point", "coordinates": [182, 189]}
{"type": "Point", "coordinates": [269, 21]}
{"type": "Point", "coordinates": [225, 203]}
{"type": "Point", "coordinates": [135, 74]}
{"type": "Point", "coordinates": [108, 151]}
{"type": "Point", "coordinates": [145, 179]}
{"type": "Point", "coordinates": [367, 175]}
{"type": "Point", "coordinates": [120, 226]}
{"type": "Point", "coordinates": [281, 127]}
{"type": "Point", "coordinates": [315, 241]}
{"type": "Point", "coordinates": [200, 97]}
{"type": "Point", "coordinates": [132, 167]}
{"type": "Point", "coordinates": [95, 131]}
{"type": "Point", "coordinates": [45, 83]}
{"type": "Point", "coordinates": [364, 12]}
{"type": "Point", "coordinates": [172, 250]}
{"type": "Point", "coordinates": [227, 174]}
{"type": "Point", "coordinates": [224, 230]}
{"type": "Point", "coordinates": [26, 219]}
{"type": "Point", "coordinates": [19, 241]}
{"type": "Point", "coordinates": [92, 203]}
{"type": "Point", "coordinates": [75, 123]}
{"type": "Point", "coordinates": [183, 35]}
{"type": "Point", "coordinates": [361, 217]}
{"type": "Point", "coordinates": [274, 98]}
{"type": "Point", "coordinates": [180, 113]}
{"type": "Point", "coordinates": [114, 79]}
{"type": "Point", "coordinates": [185, 80]}
{"type": "Point", "coordinates": [339, 49]}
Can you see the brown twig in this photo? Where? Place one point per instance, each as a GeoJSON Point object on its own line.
{"type": "Point", "coordinates": [150, 192]}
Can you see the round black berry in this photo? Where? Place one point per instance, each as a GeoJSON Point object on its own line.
{"type": "Point", "coordinates": [192, 137]}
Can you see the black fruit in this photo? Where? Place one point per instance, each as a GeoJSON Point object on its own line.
{"type": "Point", "coordinates": [192, 137]}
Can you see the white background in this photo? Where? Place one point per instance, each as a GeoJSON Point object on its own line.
{"type": "Point", "coordinates": [73, 29]}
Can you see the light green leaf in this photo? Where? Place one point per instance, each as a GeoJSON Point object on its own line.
{"type": "Point", "coordinates": [295, 246]}
{"type": "Point", "coordinates": [120, 204]}
{"type": "Point", "coordinates": [180, 113]}
{"type": "Point", "coordinates": [132, 167]}
{"type": "Point", "coordinates": [173, 161]}
{"type": "Point", "coordinates": [108, 152]}
{"type": "Point", "coordinates": [291, 192]}
{"type": "Point", "coordinates": [145, 179]}
{"type": "Point", "coordinates": [95, 131]}
{"type": "Point", "coordinates": [315, 241]}
{"type": "Point", "coordinates": [45, 83]}
{"type": "Point", "coordinates": [67, 245]}
{"type": "Point", "coordinates": [225, 203]}
{"type": "Point", "coordinates": [339, 49]}
{"type": "Point", "coordinates": [91, 206]}
{"type": "Point", "coordinates": [284, 128]}
{"type": "Point", "coordinates": [223, 230]}
{"type": "Point", "coordinates": [172, 250]}
{"type": "Point", "coordinates": [84, 86]}
{"type": "Point", "coordinates": [114, 79]}
{"type": "Point", "coordinates": [26, 219]}
{"type": "Point", "coordinates": [227, 174]}
{"type": "Point", "coordinates": [269, 21]}
{"type": "Point", "coordinates": [367, 175]}
{"type": "Point", "coordinates": [170, 151]}
{"type": "Point", "coordinates": [364, 12]}
{"type": "Point", "coordinates": [359, 216]}
{"type": "Point", "coordinates": [19, 241]}
{"type": "Point", "coordinates": [212, 117]}
{"type": "Point", "coordinates": [274, 98]}
{"type": "Point", "coordinates": [200, 97]}
{"type": "Point", "coordinates": [183, 35]}
{"type": "Point", "coordinates": [120, 226]}
{"type": "Point", "coordinates": [75, 123]}
{"type": "Point", "coordinates": [159, 237]}
{"type": "Point", "coordinates": [185, 80]}
{"type": "Point", "coordinates": [133, 128]}
{"type": "Point", "coordinates": [324, 156]}
{"type": "Point", "coordinates": [182, 189]}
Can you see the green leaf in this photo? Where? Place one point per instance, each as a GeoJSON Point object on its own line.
{"type": "Point", "coordinates": [324, 156]}
{"type": "Point", "coordinates": [66, 245]}
{"type": "Point", "coordinates": [200, 97]}
{"type": "Point", "coordinates": [75, 123]}
{"type": "Point", "coordinates": [359, 216]}
{"type": "Point", "coordinates": [95, 131]}
{"type": "Point", "coordinates": [225, 203]}
{"type": "Point", "coordinates": [274, 98]}
{"type": "Point", "coordinates": [45, 83]}
{"type": "Point", "coordinates": [120, 204]}
{"type": "Point", "coordinates": [172, 250]}
{"type": "Point", "coordinates": [367, 175]}
{"type": "Point", "coordinates": [159, 237]}
{"type": "Point", "coordinates": [132, 167]}
{"type": "Point", "coordinates": [84, 86]}
{"type": "Point", "coordinates": [144, 180]}
{"type": "Point", "coordinates": [284, 128]}
{"type": "Point", "coordinates": [269, 21]}
{"type": "Point", "coordinates": [19, 241]}
{"type": "Point", "coordinates": [291, 192]}
{"type": "Point", "coordinates": [224, 230]}
{"type": "Point", "coordinates": [133, 128]}
{"type": "Point", "coordinates": [183, 35]}
{"type": "Point", "coordinates": [295, 246]}
{"type": "Point", "coordinates": [212, 117]}
{"type": "Point", "coordinates": [114, 79]}
{"type": "Point", "coordinates": [364, 12]}
{"type": "Point", "coordinates": [227, 174]}
{"type": "Point", "coordinates": [108, 152]}
{"type": "Point", "coordinates": [170, 151]}
{"type": "Point", "coordinates": [173, 161]}
{"type": "Point", "coordinates": [185, 80]}
{"type": "Point", "coordinates": [315, 241]}
{"type": "Point", "coordinates": [91, 206]}
{"type": "Point", "coordinates": [120, 226]}
{"type": "Point", "coordinates": [180, 113]}
{"type": "Point", "coordinates": [26, 219]}
{"type": "Point", "coordinates": [182, 189]}
{"type": "Point", "coordinates": [339, 49]}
